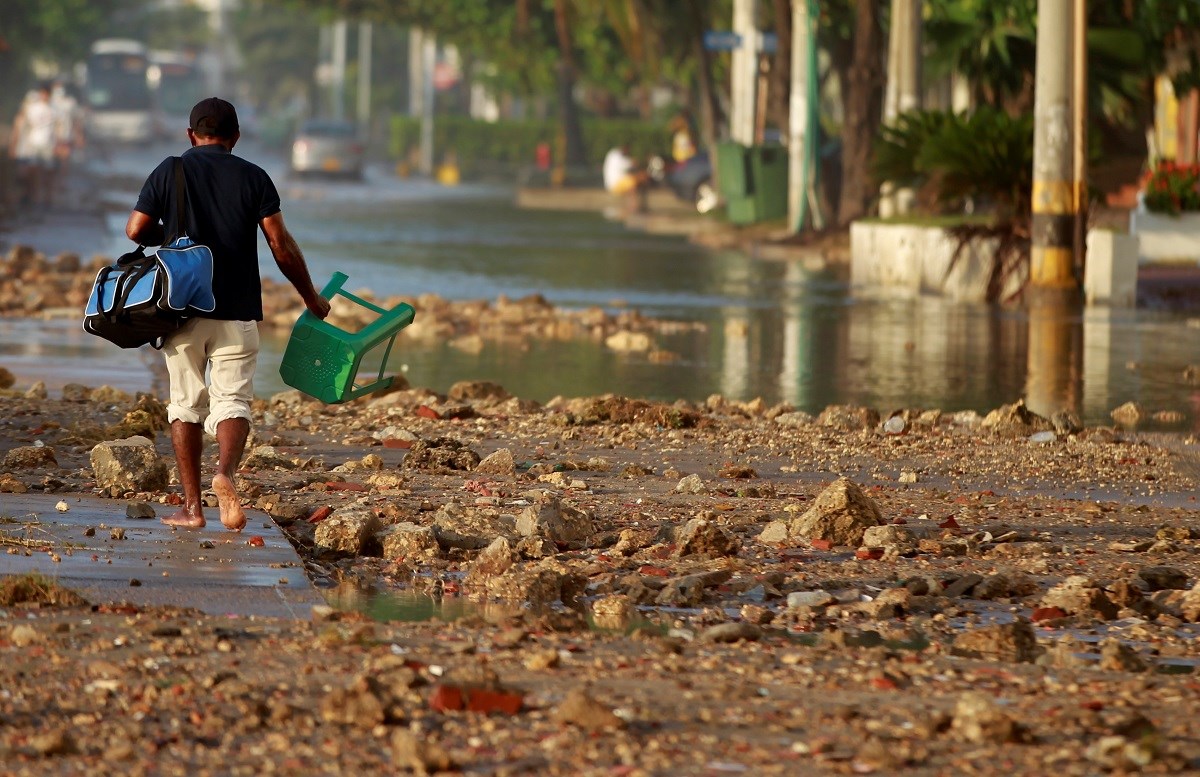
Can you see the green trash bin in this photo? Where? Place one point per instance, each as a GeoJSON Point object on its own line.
{"type": "Point", "coordinates": [753, 181]}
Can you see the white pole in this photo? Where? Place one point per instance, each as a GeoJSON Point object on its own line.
{"type": "Point", "coordinates": [744, 72]}
{"type": "Point", "coordinates": [797, 113]}
{"type": "Point", "coordinates": [416, 89]}
{"type": "Point", "coordinates": [428, 62]}
{"type": "Point", "coordinates": [364, 77]}
{"type": "Point", "coordinates": [338, 84]}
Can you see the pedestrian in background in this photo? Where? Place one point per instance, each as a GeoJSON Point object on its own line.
{"type": "Point", "coordinates": [31, 146]}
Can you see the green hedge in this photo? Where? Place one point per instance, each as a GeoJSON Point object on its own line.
{"type": "Point", "coordinates": [483, 147]}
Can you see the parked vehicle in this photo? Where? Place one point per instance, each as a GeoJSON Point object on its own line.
{"type": "Point", "coordinates": [327, 147]}
{"type": "Point", "coordinates": [117, 91]}
{"type": "Point", "coordinates": [178, 83]}
{"type": "Point", "coordinates": [691, 180]}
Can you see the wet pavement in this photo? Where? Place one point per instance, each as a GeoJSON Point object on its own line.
{"type": "Point", "coordinates": [211, 570]}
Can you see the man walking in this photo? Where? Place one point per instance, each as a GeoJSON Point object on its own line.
{"type": "Point", "coordinates": [228, 198]}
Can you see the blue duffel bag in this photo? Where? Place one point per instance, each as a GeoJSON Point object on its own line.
{"type": "Point", "coordinates": [140, 300]}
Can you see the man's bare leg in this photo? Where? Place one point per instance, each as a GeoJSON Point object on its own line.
{"type": "Point", "coordinates": [231, 440]}
{"type": "Point", "coordinates": [188, 441]}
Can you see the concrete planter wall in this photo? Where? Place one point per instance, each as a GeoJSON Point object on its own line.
{"type": "Point", "coordinates": [1165, 238]}
{"type": "Point", "coordinates": [909, 260]}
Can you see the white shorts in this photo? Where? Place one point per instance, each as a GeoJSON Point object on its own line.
{"type": "Point", "coordinates": [228, 351]}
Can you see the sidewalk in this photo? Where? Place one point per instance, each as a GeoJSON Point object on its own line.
{"type": "Point", "coordinates": [144, 562]}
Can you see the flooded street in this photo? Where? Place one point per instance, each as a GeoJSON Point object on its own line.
{"type": "Point", "coordinates": [773, 329]}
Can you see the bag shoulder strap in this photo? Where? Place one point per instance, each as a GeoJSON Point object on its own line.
{"type": "Point", "coordinates": [180, 201]}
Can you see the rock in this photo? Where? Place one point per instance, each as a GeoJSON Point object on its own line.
{"type": "Point", "coordinates": [10, 485]}
{"type": "Point", "coordinates": [139, 511]}
{"type": "Point", "coordinates": [131, 464]}
{"type": "Point", "coordinates": [841, 515]}
{"type": "Point", "coordinates": [1066, 423]}
{"type": "Point", "coordinates": [848, 417]}
{"type": "Point", "coordinates": [1176, 533]}
{"type": "Point", "coordinates": [775, 533]}
{"type": "Point", "coordinates": [23, 635]}
{"type": "Point", "coordinates": [55, 742]}
{"type": "Point", "coordinates": [559, 523]}
{"type": "Point", "coordinates": [798, 599]}
{"type": "Point", "coordinates": [538, 588]}
{"type": "Point", "coordinates": [7, 379]}
{"type": "Point", "coordinates": [1078, 595]}
{"type": "Point", "coordinates": [962, 585]}
{"type": "Point", "coordinates": [978, 719]}
{"type": "Point", "coordinates": [1004, 585]}
{"type": "Point", "coordinates": [439, 455]}
{"type": "Point", "coordinates": [76, 392]}
{"type": "Point", "coordinates": [897, 539]}
{"type": "Point", "coordinates": [579, 709]}
{"type": "Point", "coordinates": [1014, 421]}
{"type": "Point", "coordinates": [109, 395]}
{"type": "Point", "coordinates": [37, 391]}
{"type": "Point", "coordinates": [474, 390]}
{"type": "Point", "coordinates": [266, 457]}
{"type": "Point", "coordinates": [732, 632]}
{"type": "Point", "coordinates": [496, 559]}
{"type": "Point", "coordinates": [363, 704]}
{"type": "Point", "coordinates": [688, 591]}
{"type": "Point", "coordinates": [691, 484]}
{"type": "Point", "coordinates": [499, 462]}
{"type": "Point", "coordinates": [1066, 653]}
{"type": "Point", "coordinates": [1014, 642]}
{"type": "Point", "coordinates": [1189, 606]}
{"type": "Point", "coordinates": [1129, 414]}
{"type": "Point", "coordinates": [347, 530]}
{"type": "Point", "coordinates": [626, 341]}
{"type": "Point", "coordinates": [794, 419]}
{"type": "Point", "coordinates": [30, 457]}
{"type": "Point", "coordinates": [423, 755]}
{"type": "Point", "coordinates": [1115, 656]}
{"type": "Point", "coordinates": [615, 612]}
{"type": "Point", "coordinates": [1163, 578]}
{"type": "Point", "coordinates": [699, 537]}
{"type": "Point", "coordinates": [1119, 754]}
{"type": "Point", "coordinates": [409, 541]}
{"type": "Point", "coordinates": [895, 425]}
{"type": "Point", "coordinates": [468, 529]}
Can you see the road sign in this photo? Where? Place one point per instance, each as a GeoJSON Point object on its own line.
{"type": "Point", "coordinates": [722, 40]}
{"type": "Point", "coordinates": [727, 40]}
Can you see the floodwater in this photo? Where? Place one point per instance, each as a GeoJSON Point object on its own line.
{"type": "Point", "coordinates": [773, 329]}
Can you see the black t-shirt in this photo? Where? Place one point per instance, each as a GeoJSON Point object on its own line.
{"type": "Point", "coordinates": [227, 197]}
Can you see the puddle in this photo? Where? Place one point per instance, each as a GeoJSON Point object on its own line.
{"type": "Point", "coordinates": [415, 607]}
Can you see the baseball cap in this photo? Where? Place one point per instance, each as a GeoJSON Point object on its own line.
{"type": "Point", "coordinates": [214, 117]}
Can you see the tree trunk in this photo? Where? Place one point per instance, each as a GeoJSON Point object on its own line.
{"type": "Point", "coordinates": [570, 128]}
{"type": "Point", "coordinates": [779, 89]}
{"type": "Point", "coordinates": [710, 112]}
{"type": "Point", "coordinates": [863, 108]}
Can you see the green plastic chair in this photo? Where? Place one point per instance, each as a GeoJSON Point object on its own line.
{"type": "Point", "coordinates": [323, 361]}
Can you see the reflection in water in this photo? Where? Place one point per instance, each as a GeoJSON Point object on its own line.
{"type": "Point", "coordinates": [773, 329]}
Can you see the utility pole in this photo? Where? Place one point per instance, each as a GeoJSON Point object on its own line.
{"type": "Point", "coordinates": [428, 63]}
{"type": "Point", "coordinates": [338, 70]}
{"type": "Point", "coordinates": [1052, 271]}
{"type": "Point", "coordinates": [744, 72]}
{"type": "Point", "coordinates": [903, 91]}
{"type": "Point", "coordinates": [799, 156]}
{"type": "Point", "coordinates": [1079, 117]}
{"type": "Point", "coordinates": [364, 77]}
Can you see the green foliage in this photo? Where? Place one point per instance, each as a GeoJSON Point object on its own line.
{"type": "Point", "coordinates": [1173, 188]}
{"type": "Point", "coordinates": [480, 147]}
{"type": "Point", "coordinates": [986, 156]}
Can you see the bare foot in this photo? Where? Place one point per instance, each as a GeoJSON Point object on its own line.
{"type": "Point", "coordinates": [185, 519]}
{"type": "Point", "coordinates": [232, 515]}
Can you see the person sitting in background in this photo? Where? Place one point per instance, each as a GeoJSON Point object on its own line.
{"type": "Point", "coordinates": [623, 179]}
{"type": "Point", "coordinates": [683, 143]}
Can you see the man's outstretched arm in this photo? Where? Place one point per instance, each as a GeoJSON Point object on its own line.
{"type": "Point", "coordinates": [291, 263]}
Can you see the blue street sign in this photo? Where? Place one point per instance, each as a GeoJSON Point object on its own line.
{"type": "Point", "coordinates": [727, 40]}
{"type": "Point", "coordinates": [722, 40]}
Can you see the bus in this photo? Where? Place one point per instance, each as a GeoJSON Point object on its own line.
{"type": "Point", "coordinates": [117, 91]}
{"type": "Point", "coordinates": [178, 83]}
